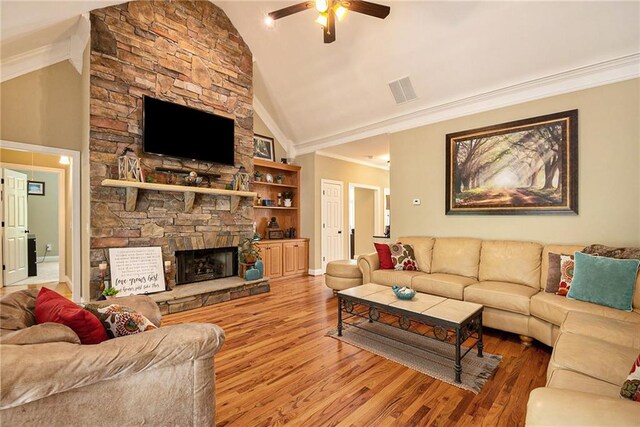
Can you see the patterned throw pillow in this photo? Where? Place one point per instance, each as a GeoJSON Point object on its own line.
{"type": "Point", "coordinates": [566, 274]}
{"type": "Point", "coordinates": [402, 257]}
{"type": "Point", "coordinates": [631, 387]}
{"type": "Point", "coordinates": [119, 320]}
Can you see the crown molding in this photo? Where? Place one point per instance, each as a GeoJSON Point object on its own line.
{"type": "Point", "coordinates": [274, 128]}
{"type": "Point", "coordinates": [598, 74]}
{"type": "Point", "coordinates": [351, 160]}
{"type": "Point", "coordinates": [71, 48]}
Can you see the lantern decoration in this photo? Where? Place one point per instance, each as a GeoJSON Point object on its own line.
{"type": "Point", "coordinates": [241, 180]}
{"type": "Point", "coordinates": [129, 166]}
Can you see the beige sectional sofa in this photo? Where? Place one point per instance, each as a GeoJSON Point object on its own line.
{"type": "Point", "coordinates": [594, 345]}
{"type": "Point", "coordinates": [507, 277]}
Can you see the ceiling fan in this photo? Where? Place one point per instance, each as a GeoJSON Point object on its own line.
{"type": "Point", "coordinates": [329, 10]}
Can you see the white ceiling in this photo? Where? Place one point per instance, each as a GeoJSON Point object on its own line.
{"type": "Point", "coordinates": [462, 57]}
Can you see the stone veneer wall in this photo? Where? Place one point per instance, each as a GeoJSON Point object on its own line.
{"type": "Point", "coordinates": [184, 52]}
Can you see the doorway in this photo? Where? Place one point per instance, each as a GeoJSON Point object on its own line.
{"type": "Point", "coordinates": [68, 185]}
{"type": "Point", "coordinates": [43, 207]}
{"type": "Point", "coordinates": [332, 221]}
{"type": "Point", "coordinates": [365, 218]}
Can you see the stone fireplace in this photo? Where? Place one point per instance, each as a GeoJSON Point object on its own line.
{"type": "Point", "coordinates": [186, 52]}
{"type": "Point", "coordinates": [206, 264]}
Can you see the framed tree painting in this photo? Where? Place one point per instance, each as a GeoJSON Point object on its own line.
{"type": "Point", "coordinates": [263, 147]}
{"type": "Point", "coordinates": [528, 166]}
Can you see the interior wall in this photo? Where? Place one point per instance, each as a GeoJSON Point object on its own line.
{"type": "Point", "coordinates": [315, 168]}
{"type": "Point", "coordinates": [609, 174]}
{"type": "Point", "coordinates": [43, 107]}
{"type": "Point", "coordinates": [261, 128]}
{"type": "Point", "coordinates": [364, 206]}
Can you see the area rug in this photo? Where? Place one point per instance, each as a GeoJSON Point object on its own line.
{"type": "Point", "coordinates": [417, 352]}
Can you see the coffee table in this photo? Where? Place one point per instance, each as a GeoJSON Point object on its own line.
{"type": "Point", "coordinates": [442, 319]}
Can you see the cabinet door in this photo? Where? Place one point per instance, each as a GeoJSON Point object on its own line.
{"type": "Point", "coordinates": [290, 258]}
{"type": "Point", "coordinates": [275, 260]}
{"type": "Point", "coordinates": [302, 257]}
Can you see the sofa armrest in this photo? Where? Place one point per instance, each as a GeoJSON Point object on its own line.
{"type": "Point", "coordinates": [557, 407]}
{"type": "Point", "coordinates": [32, 372]}
{"type": "Point", "coordinates": [368, 264]}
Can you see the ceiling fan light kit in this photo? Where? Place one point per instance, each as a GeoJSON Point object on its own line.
{"type": "Point", "coordinates": [329, 10]}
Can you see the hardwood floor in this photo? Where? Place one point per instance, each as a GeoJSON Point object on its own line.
{"type": "Point", "coordinates": [277, 367]}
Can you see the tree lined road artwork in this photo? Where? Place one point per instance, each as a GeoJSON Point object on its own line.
{"type": "Point", "coordinates": [515, 169]}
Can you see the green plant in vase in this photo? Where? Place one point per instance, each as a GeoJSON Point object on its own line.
{"type": "Point", "coordinates": [279, 178]}
{"type": "Point", "coordinates": [110, 292]}
{"type": "Point", "coordinates": [288, 198]}
{"type": "Point", "coordinates": [248, 251]}
{"type": "Point", "coordinates": [258, 175]}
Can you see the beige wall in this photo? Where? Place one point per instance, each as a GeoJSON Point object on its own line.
{"type": "Point", "coordinates": [609, 174]}
{"type": "Point", "coordinates": [261, 129]}
{"type": "Point", "coordinates": [43, 107]}
{"type": "Point", "coordinates": [315, 168]}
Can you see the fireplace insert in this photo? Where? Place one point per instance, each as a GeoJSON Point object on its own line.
{"type": "Point", "coordinates": [206, 264]}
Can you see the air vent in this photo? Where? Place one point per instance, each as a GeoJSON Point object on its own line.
{"type": "Point", "coordinates": [402, 90]}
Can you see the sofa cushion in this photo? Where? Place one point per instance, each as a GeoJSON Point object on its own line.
{"type": "Point", "coordinates": [567, 267]}
{"type": "Point", "coordinates": [553, 275]}
{"type": "Point", "coordinates": [16, 310]}
{"type": "Point", "coordinates": [570, 380]}
{"type": "Point", "coordinates": [402, 257]}
{"type": "Point", "coordinates": [422, 249]}
{"type": "Point", "coordinates": [604, 281]}
{"type": "Point", "coordinates": [554, 308]}
{"type": "Point", "coordinates": [393, 277]}
{"type": "Point", "coordinates": [444, 285]}
{"type": "Point", "coordinates": [384, 255]}
{"type": "Point", "coordinates": [592, 357]}
{"type": "Point", "coordinates": [606, 329]}
{"type": "Point", "coordinates": [456, 255]}
{"type": "Point", "coordinates": [506, 296]}
{"type": "Point", "coordinates": [558, 249]}
{"type": "Point", "coordinates": [40, 334]}
{"type": "Point", "coordinates": [119, 320]}
{"type": "Point", "coordinates": [53, 307]}
{"type": "Point", "coordinates": [511, 262]}
{"type": "Point", "coordinates": [631, 386]}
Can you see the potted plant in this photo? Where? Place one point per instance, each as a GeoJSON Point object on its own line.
{"type": "Point", "coordinates": [110, 293]}
{"type": "Point", "coordinates": [258, 175]}
{"type": "Point", "coordinates": [248, 251]}
{"type": "Point", "coordinates": [279, 178]}
{"type": "Point", "coordinates": [288, 198]}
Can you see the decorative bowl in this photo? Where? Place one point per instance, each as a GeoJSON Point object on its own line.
{"type": "Point", "coordinates": [403, 292]}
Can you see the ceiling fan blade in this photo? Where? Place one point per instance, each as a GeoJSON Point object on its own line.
{"type": "Point", "coordinates": [290, 10]}
{"type": "Point", "coordinates": [367, 8]}
{"type": "Point", "coordinates": [330, 29]}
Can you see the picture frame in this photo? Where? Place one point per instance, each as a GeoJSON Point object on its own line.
{"type": "Point", "coordinates": [524, 167]}
{"type": "Point", "coordinates": [137, 270]}
{"type": "Point", "coordinates": [263, 147]}
{"type": "Point", "coordinates": [35, 188]}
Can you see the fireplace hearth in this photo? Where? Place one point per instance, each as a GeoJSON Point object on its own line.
{"type": "Point", "coordinates": [206, 264]}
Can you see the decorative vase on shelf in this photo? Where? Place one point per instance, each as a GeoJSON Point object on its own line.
{"type": "Point", "coordinates": [287, 203]}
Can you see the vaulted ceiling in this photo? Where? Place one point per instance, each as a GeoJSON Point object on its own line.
{"type": "Point", "coordinates": [462, 57]}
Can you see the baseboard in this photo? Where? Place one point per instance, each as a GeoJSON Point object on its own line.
{"type": "Point", "coordinates": [317, 272]}
{"type": "Point", "coordinates": [68, 282]}
{"type": "Point", "coordinates": [49, 258]}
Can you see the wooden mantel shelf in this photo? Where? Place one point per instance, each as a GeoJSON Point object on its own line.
{"type": "Point", "coordinates": [132, 188]}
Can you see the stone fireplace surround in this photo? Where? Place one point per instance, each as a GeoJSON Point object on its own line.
{"type": "Point", "coordinates": [186, 52]}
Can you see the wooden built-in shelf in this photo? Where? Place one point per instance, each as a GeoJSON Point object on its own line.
{"type": "Point", "coordinates": [275, 207]}
{"type": "Point", "coordinates": [132, 188]}
{"type": "Point", "coordinates": [275, 184]}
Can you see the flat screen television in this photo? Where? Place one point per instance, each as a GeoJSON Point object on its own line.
{"type": "Point", "coordinates": [174, 130]}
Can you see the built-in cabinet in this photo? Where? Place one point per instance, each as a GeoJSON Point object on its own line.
{"type": "Point", "coordinates": [266, 204]}
{"type": "Point", "coordinates": [288, 257]}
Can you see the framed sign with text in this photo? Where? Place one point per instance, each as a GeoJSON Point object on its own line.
{"type": "Point", "coordinates": [137, 270]}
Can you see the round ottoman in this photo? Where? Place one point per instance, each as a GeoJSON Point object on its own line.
{"type": "Point", "coordinates": [343, 274]}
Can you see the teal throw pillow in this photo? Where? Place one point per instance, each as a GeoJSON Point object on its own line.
{"type": "Point", "coordinates": [604, 281]}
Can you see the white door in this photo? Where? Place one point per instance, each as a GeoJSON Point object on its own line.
{"type": "Point", "coordinates": [15, 226]}
{"type": "Point", "coordinates": [332, 211]}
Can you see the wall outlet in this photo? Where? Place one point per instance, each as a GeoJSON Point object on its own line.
{"type": "Point", "coordinates": [416, 202]}
{"type": "Point", "coordinates": [49, 246]}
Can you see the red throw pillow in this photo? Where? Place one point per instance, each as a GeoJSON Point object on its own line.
{"type": "Point", "coordinates": [384, 255]}
{"type": "Point", "coordinates": [53, 307]}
